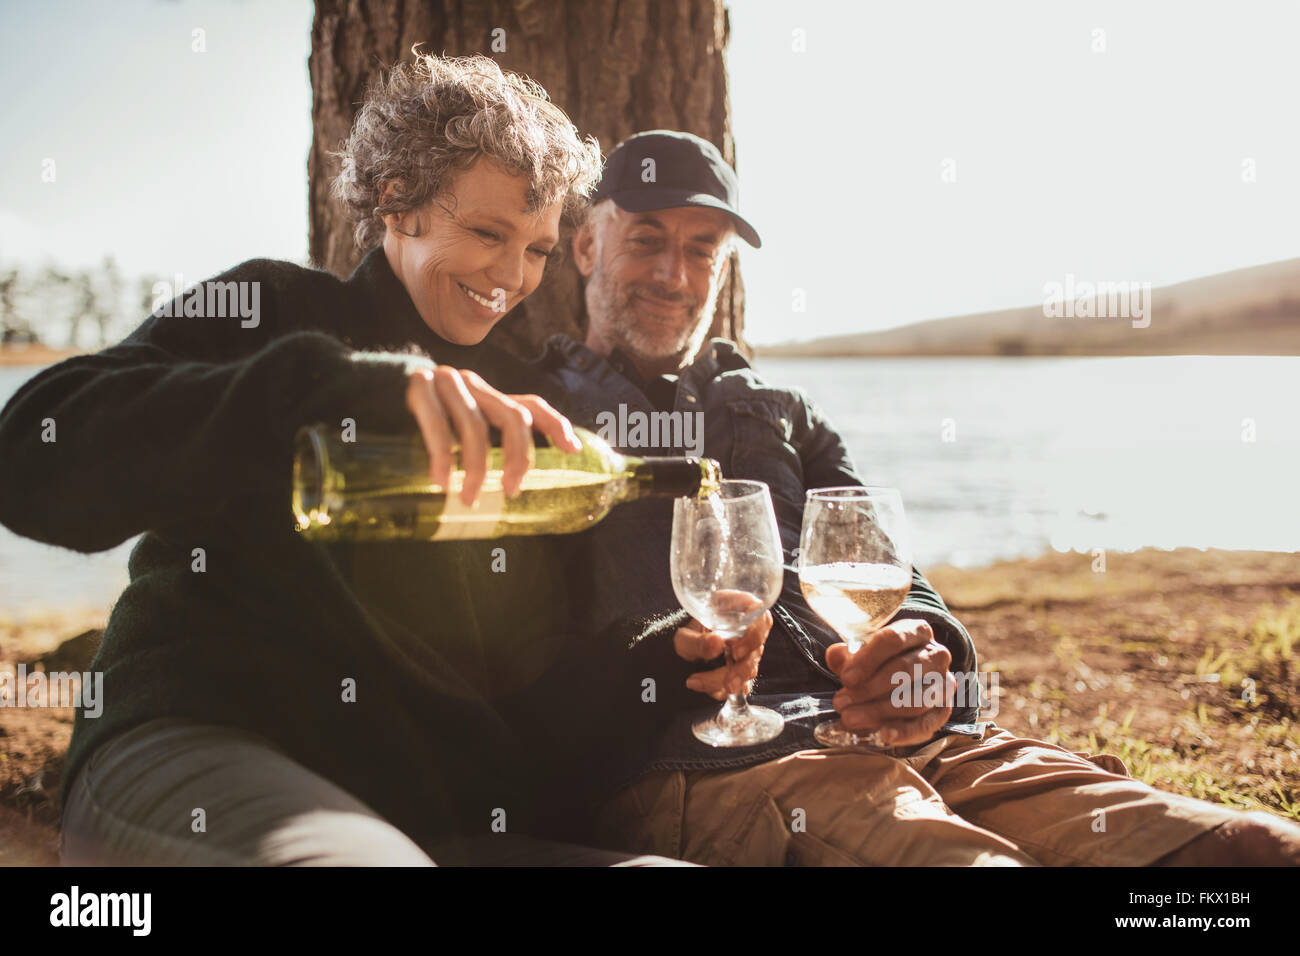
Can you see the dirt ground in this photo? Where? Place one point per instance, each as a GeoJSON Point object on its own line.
{"type": "Point", "coordinates": [1179, 662]}
{"type": "Point", "coordinates": [33, 740]}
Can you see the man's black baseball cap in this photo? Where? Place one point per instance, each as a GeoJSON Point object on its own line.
{"type": "Point", "coordinates": [687, 171]}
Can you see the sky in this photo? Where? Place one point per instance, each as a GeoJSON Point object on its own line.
{"type": "Point", "coordinates": [902, 161]}
{"type": "Point", "coordinates": [172, 160]}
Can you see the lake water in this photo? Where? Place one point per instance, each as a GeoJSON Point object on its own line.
{"type": "Point", "coordinates": [1007, 457]}
{"type": "Point", "coordinates": [995, 458]}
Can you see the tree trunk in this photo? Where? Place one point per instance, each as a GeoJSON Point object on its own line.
{"type": "Point", "coordinates": [615, 66]}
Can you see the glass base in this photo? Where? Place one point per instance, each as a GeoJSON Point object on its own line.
{"type": "Point", "coordinates": [832, 733]}
{"type": "Point", "coordinates": [759, 725]}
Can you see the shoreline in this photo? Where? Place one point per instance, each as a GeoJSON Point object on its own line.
{"type": "Point", "coordinates": [1047, 576]}
{"type": "Point", "coordinates": [35, 355]}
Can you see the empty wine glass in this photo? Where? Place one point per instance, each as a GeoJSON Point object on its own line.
{"type": "Point", "coordinates": [726, 571]}
{"type": "Point", "coordinates": [855, 569]}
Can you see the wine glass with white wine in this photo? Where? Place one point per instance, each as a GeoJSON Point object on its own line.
{"type": "Point", "coordinates": [727, 570]}
{"type": "Point", "coordinates": [855, 569]}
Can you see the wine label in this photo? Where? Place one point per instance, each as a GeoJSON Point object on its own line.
{"type": "Point", "coordinates": [457, 521]}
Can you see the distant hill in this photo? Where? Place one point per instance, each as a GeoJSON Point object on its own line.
{"type": "Point", "coordinates": [1253, 311]}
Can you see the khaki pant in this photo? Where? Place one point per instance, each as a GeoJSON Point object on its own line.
{"type": "Point", "coordinates": [1000, 801]}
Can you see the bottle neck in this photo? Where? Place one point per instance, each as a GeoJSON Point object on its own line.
{"type": "Point", "coordinates": [671, 477]}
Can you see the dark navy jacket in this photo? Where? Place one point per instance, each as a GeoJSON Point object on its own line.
{"type": "Point", "coordinates": [756, 431]}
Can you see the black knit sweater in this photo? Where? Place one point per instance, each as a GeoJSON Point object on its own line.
{"type": "Point", "coordinates": [184, 431]}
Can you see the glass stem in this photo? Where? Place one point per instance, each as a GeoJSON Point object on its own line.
{"type": "Point", "coordinates": [737, 706]}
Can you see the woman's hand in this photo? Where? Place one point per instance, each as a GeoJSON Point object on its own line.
{"type": "Point", "coordinates": [695, 642]}
{"type": "Point", "coordinates": [453, 406]}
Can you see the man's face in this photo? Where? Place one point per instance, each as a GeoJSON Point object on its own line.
{"type": "Point", "coordinates": [652, 280]}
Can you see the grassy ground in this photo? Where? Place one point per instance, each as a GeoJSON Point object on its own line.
{"type": "Point", "coordinates": [1180, 663]}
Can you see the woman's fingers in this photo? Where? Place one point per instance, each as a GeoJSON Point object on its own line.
{"type": "Point", "coordinates": [514, 421]}
{"type": "Point", "coordinates": [550, 422]}
{"type": "Point", "coordinates": [423, 402]}
{"type": "Point", "coordinates": [456, 408]}
{"type": "Point", "coordinates": [471, 428]}
{"type": "Point", "coordinates": [516, 416]}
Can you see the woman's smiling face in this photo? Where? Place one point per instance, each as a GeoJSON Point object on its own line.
{"type": "Point", "coordinates": [476, 253]}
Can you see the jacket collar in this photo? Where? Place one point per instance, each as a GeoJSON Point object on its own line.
{"type": "Point", "coordinates": [716, 356]}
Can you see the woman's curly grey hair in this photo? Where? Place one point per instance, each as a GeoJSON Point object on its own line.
{"type": "Point", "coordinates": [440, 114]}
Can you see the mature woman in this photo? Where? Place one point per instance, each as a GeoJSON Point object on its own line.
{"type": "Point", "coordinates": [269, 700]}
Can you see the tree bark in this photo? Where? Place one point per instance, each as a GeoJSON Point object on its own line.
{"type": "Point", "coordinates": [615, 66]}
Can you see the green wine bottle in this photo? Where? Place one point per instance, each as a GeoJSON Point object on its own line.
{"type": "Point", "coordinates": [378, 487]}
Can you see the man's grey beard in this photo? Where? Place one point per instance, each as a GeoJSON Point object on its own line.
{"type": "Point", "coordinates": [623, 328]}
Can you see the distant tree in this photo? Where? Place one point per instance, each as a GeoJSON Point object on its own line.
{"type": "Point", "coordinates": [13, 327]}
{"type": "Point", "coordinates": [51, 291]}
{"type": "Point", "coordinates": [109, 306]}
{"type": "Point", "coordinates": [144, 294]}
{"type": "Point", "coordinates": [85, 306]}
{"type": "Point", "coordinates": [54, 295]}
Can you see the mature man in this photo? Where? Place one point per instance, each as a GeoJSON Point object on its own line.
{"type": "Point", "coordinates": [950, 789]}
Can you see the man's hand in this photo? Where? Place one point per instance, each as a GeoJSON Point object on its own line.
{"type": "Point", "coordinates": [868, 678]}
{"type": "Point", "coordinates": [695, 642]}
{"type": "Point", "coordinates": [458, 406]}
